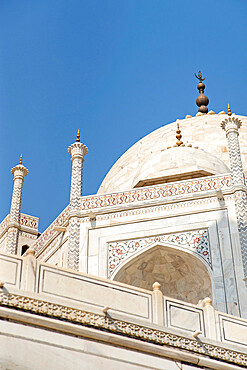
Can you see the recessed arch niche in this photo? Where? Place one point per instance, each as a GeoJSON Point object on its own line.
{"type": "Point", "coordinates": [24, 248]}
{"type": "Point", "coordinates": [181, 274]}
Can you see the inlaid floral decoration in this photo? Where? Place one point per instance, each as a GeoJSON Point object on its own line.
{"type": "Point", "coordinates": [196, 241]}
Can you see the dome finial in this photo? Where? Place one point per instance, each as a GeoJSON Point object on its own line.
{"type": "Point", "coordinates": [178, 136]}
{"type": "Point", "coordinates": [199, 77]}
{"type": "Point", "coordinates": [202, 100]}
{"type": "Point", "coordinates": [229, 110]}
{"type": "Point", "coordinates": [20, 159]}
{"type": "Point", "coordinates": [78, 136]}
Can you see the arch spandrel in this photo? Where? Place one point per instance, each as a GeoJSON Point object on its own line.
{"type": "Point", "coordinates": [196, 241]}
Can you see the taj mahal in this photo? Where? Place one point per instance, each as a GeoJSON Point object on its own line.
{"type": "Point", "coordinates": [150, 272]}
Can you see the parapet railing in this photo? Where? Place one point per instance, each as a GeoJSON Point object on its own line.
{"type": "Point", "coordinates": [25, 282]}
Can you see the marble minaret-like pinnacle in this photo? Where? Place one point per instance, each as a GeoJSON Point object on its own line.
{"type": "Point", "coordinates": [19, 172]}
{"type": "Point", "coordinates": [231, 126]}
{"type": "Point", "coordinates": [77, 151]}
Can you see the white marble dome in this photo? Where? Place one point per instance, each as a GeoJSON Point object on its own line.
{"type": "Point", "coordinates": [149, 162]}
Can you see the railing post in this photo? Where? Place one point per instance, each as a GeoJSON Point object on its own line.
{"type": "Point", "coordinates": [28, 277]}
{"type": "Point", "coordinates": [209, 316]}
{"type": "Point", "coordinates": [158, 305]}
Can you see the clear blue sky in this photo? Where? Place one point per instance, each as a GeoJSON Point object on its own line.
{"type": "Point", "coordinates": [116, 69]}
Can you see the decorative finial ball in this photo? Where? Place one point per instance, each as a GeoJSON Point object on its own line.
{"type": "Point", "coordinates": [156, 286]}
{"type": "Point", "coordinates": [207, 301]}
{"type": "Point", "coordinates": [202, 100]}
{"type": "Point", "coordinates": [203, 109]}
{"type": "Point", "coordinates": [201, 86]}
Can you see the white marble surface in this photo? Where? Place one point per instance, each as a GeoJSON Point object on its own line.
{"type": "Point", "coordinates": [222, 272]}
{"type": "Point", "coordinates": [38, 349]}
{"type": "Point", "coordinates": [201, 131]}
{"type": "Point", "coordinates": [61, 286]}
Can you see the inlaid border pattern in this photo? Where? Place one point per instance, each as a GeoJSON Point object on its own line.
{"type": "Point", "coordinates": [142, 194]}
{"type": "Point", "coordinates": [135, 331]}
{"type": "Point", "coordinates": [27, 235]}
{"type": "Point", "coordinates": [4, 224]}
{"type": "Point", "coordinates": [196, 241]}
{"type": "Point", "coordinates": [166, 190]}
{"type": "Point", "coordinates": [160, 208]}
{"type": "Point", "coordinates": [29, 221]}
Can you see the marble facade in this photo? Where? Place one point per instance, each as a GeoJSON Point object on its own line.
{"type": "Point", "coordinates": [147, 273]}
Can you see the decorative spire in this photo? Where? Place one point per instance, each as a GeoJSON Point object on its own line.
{"type": "Point", "coordinates": [78, 136]}
{"type": "Point", "coordinates": [229, 110]}
{"type": "Point", "coordinates": [202, 100]}
{"type": "Point", "coordinates": [178, 136]}
{"type": "Point", "coordinates": [19, 172]}
{"type": "Point", "coordinates": [199, 77]}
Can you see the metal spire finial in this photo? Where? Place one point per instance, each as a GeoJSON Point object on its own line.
{"type": "Point", "coordinates": [202, 100]}
{"type": "Point", "coordinates": [199, 77]}
{"type": "Point", "coordinates": [78, 136]}
{"type": "Point", "coordinates": [178, 136]}
{"type": "Point", "coordinates": [229, 110]}
{"type": "Point", "coordinates": [20, 159]}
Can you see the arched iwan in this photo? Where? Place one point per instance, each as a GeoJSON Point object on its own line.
{"type": "Point", "coordinates": [182, 273]}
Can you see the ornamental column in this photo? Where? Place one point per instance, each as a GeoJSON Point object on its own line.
{"type": "Point", "coordinates": [19, 172]}
{"type": "Point", "coordinates": [231, 126]}
{"type": "Point", "coordinates": [77, 151]}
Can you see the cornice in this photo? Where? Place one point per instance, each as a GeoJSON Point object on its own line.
{"type": "Point", "coordinates": [231, 124]}
{"type": "Point", "coordinates": [118, 327]}
{"type": "Point", "coordinates": [77, 150]}
{"type": "Point", "coordinates": [182, 190]}
{"type": "Point", "coordinates": [20, 227]}
{"type": "Point", "coordinates": [19, 171]}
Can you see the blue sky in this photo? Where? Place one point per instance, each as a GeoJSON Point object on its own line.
{"type": "Point", "coordinates": [116, 69]}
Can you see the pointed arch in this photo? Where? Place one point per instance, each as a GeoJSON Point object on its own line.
{"type": "Point", "coordinates": [182, 273]}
